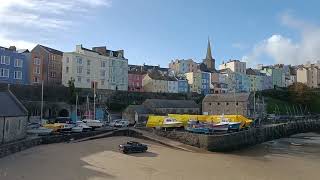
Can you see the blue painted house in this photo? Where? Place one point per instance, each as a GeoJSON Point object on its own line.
{"type": "Point", "coordinates": [205, 83]}
{"type": "Point", "coordinates": [183, 86]}
{"type": "Point", "coordinates": [14, 66]}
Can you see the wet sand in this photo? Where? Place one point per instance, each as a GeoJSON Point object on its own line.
{"type": "Point", "coordinates": [99, 159]}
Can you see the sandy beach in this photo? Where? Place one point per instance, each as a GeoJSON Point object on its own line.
{"type": "Point", "coordinates": [100, 159]}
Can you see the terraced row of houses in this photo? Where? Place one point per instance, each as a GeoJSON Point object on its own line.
{"type": "Point", "coordinates": [108, 69]}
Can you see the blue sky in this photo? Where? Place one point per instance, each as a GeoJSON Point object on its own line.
{"type": "Point", "coordinates": [157, 31]}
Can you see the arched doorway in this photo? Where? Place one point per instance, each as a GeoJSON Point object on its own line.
{"type": "Point", "coordinates": [63, 113]}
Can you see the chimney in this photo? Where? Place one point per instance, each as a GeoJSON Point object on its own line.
{"type": "Point", "coordinates": [101, 50]}
{"type": "Point", "coordinates": [13, 48]}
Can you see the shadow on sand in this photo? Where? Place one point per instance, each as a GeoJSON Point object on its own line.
{"type": "Point", "coordinates": [146, 154]}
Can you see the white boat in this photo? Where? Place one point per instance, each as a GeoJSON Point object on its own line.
{"type": "Point", "coordinates": [77, 129]}
{"type": "Point", "coordinates": [171, 123]}
{"type": "Point", "coordinates": [235, 126]}
{"type": "Point", "coordinates": [41, 131]}
{"type": "Point", "coordinates": [65, 127]}
{"type": "Point", "coordinates": [223, 125]}
{"type": "Point", "coordinates": [93, 123]}
{"type": "Point", "coordinates": [81, 127]}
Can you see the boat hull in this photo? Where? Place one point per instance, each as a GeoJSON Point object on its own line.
{"type": "Point", "coordinates": [234, 126]}
{"type": "Point", "coordinates": [221, 127]}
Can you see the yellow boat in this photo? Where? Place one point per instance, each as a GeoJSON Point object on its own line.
{"type": "Point", "coordinates": [58, 127]}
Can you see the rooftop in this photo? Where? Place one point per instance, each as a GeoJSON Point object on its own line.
{"type": "Point", "coordinates": [12, 107]}
{"type": "Point", "coordinates": [165, 103]}
{"type": "Point", "coordinates": [228, 97]}
{"type": "Point", "coordinates": [54, 51]}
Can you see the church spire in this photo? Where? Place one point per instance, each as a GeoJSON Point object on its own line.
{"type": "Point", "coordinates": [209, 55]}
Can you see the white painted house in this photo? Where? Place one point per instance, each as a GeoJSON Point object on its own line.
{"type": "Point", "coordinates": [108, 69]}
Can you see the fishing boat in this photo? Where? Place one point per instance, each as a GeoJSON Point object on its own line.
{"type": "Point", "coordinates": [223, 125]}
{"type": "Point", "coordinates": [171, 123]}
{"type": "Point", "coordinates": [198, 127]}
{"type": "Point", "coordinates": [81, 127]}
{"type": "Point", "coordinates": [93, 123]}
{"type": "Point", "coordinates": [232, 126]}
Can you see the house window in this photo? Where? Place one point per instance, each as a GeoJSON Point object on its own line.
{"type": "Point", "coordinates": [102, 73]}
{"type": "Point", "coordinates": [79, 70]}
{"type": "Point", "coordinates": [17, 75]}
{"type": "Point", "coordinates": [4, 72]}
{"type": "Point", "coordinates": [68, 60]}
{"type": "Point", "coordinates": [18, 63]}
{"type": "Point", "coordinates": [53, 57]}
{"type": "Point", "coordinates": [5, 60]}
{"type": "Point", "coordinates": [88, 62]}
{"type": "Point", "coordinates": [227, 103]}
{"type": "Point", "coordinates": [36, 61]}
{"type": "Point", "coordinates": [37, 70]}
{"type": "Point", "coordinates": [102, 82]}
{"type": "Point", "coordinates": [35, 79]}
{"type": "Point", "coordinates": [88, 71]}
{"type": "Point", "coordinates": [209, 104]}
{"type": "Point", "coordinates": [218, 104]}
{"type": "Point", "coordinates": [88, 80]}
{"type": "Point", "coordinates": [103, 64]}
{"type": "Point", "coordinates": [237, 103]}
{"type": "Point", "coordinates": [79, 60]}
{"type": "Point", "coordinates": [67, 69]}
{"type": "Point", "coordinates": [79, 79]}
{"type": "Point", "coordinates": [53, 74]}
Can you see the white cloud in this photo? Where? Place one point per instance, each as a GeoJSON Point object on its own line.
{"type": "Point", "coordinates": [284, 50]}
{"type": "Point", "coordinates": [49, 16]}
{"type": "Point", "coordinates": [20, 44]}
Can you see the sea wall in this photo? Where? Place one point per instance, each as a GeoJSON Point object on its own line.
{"type": "Point", "coordinates": [16, 146]}
{"type": "Point", "coordinates": [237, 140]}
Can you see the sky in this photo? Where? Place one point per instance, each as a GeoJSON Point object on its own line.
{"type": "Point", "coordinates": [158, 31]}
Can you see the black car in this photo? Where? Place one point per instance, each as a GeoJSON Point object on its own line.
{"type": "Point", "coordinates": [133, 147]}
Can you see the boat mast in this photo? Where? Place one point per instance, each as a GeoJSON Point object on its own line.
{"type": "Point", "coordinates": [94, 100]}
{"type": "Point", "coordinates": [88, 108]}
{"type": "Point", "coordinates": [41, 113]}
{"type": "Point", "coordinates": [77, 108]}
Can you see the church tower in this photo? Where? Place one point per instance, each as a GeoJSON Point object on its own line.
{"type": "Point", "coordinates": [209, 61]}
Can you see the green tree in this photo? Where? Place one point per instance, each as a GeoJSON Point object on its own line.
{"type": "Point", "coordinates": [72, 91]}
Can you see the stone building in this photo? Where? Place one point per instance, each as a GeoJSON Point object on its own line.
{"type": "Point", "coordinates": [136, 114]}
{"type": "Point", "coordinates": [165, 106]}
{"type": "Point", "coordinates": [13, 118]}
{"type": "Point", "coordinates": [230, 103]}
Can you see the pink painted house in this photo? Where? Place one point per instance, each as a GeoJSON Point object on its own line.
{"type": "Point", "coordinates": [135, 81]}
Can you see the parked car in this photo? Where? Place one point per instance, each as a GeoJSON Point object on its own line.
{"type": "Point", "coordinates": [122, 123]}
{"type": "Point", "coordinates": [112, 123]}
{"type": "Point", "coordinates": [133, 147]}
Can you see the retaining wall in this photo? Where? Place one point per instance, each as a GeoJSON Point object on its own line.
{"type": "Point", "coordinates": [237, 140]}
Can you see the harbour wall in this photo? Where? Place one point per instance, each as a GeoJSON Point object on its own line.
{"type": "Point", "coordinates": [242, 139]}
{"type": "Point", "coordinates": [23, 144]}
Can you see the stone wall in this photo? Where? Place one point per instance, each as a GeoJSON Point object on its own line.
{"type": "Point", "coordinates": [12, 128]}
{"type": "Point", "coordinates": [237, 140]}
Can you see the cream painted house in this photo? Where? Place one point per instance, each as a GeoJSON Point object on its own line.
{"type": "Point", "coordinates": [108, 69]}
{"type": "Point", "coordinates": [309, 75]}
{"type": "Point", "coordinates": [235, 66]}
{"type": "Point", "coordinates": [155, 82]}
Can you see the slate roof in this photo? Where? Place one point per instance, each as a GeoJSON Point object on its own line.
{"type": "Point", "coordinates": [229, 97]}
{"type": "Point", "coordinates": [165, 103]}
{"type": "Point", "coordinates": [10, 106]}
{"type": "Point", "coordinates": [140, 109]}
{"type": "Point", "coordinates": [54, 51]}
